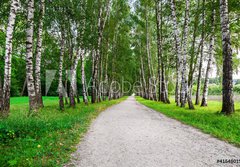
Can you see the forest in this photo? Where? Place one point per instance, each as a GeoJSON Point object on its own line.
{"type": "Point", "coordinates": [64, 56]}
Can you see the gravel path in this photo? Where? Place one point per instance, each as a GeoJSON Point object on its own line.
{"type": "Point", "coordinates": [132, 135]}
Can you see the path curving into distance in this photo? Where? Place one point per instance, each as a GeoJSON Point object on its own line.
{"type": "Point", "coordinates": [132, 135]}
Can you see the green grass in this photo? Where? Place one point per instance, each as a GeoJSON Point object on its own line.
{"type": "Point", "coordinates": [47, 139]}
{"type": "Point", "coordinates": [208, 119]}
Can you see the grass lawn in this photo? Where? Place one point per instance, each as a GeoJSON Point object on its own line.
{"type": "Point", "coordinates": [208, 119]}
{"type": "Point", "coordinates": [47, 139]}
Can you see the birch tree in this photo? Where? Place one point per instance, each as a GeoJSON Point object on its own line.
{"type": "Point", "coordinates": [60, 80]}
{"type": "Point", "coordinates": [178, 51]}
{"type": "Point", "coordinates": [101, 25]}
{"type": "Point", "coordinates": [184, 59]}
{"type": "Point", "coordinates": [227, 83]}
{"type": "Point", "coordinates": [149, 62]}
{"type": "Point", "coordinates": [5, 102]}
{"type": "Point", "coordinates": [144, 85]}
{"type": "Point", "coordinates": [39, 56]}
{"type": "Point", "coordinates": [210, 57]}
{"type": "Point", "coordinates": [29, 58]}
{"type": "Point", "coordinates": [193, 57]}
{"type": "Point", "coordinates": [159, 47]}
{"type": "Point", "coordinates": [84, 85]}
{"type": "Point", "coordinates": [201, 54]}
{"type": "Point", "coordinates": [73, 86]}
{"type": "Point", "coordinates": [161, 69]}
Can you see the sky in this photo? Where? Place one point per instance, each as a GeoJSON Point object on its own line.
{"type": "Point", "coordinates": [131, 3]}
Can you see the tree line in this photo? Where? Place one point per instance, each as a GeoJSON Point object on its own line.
{"type": "Point", "coordinates": [83, 40]}
{"type": "Point", "coordinates": [191, 37]}
{"type": "Point", "coordinates": [95, 44]}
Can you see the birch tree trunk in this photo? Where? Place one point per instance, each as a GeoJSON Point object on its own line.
{"type": "Point", "coordinates": [97, 58]}
{"type": "Point", "coordinates": [101, 24]}
{"type": "Point", "coordinates": [66, 86]}
{"type": "Point", "coordinates": [159, 46]}
{"type": "Point", "coordinates": [184, 60]}
{"type": "Point", "coordinates": [99, 88]}
{"type": "Point", "coordinates": [146, 95]}
{"type": "Point", "coordinates": [5, 101]}
{"type": "Point", "coordinates": [29, 58]}
{"type": "Point", "coordinates": [178, 51]}
{"type": "Point", "coordinates": [39, 55]}
{"type": "Point", "coordinates": [106, 75]}
{"type": "Point", "coordinates": [60, 82]}
{"type": "Point", "coordinates": [201, 56]}
{"type": "Point", "coordinates": [84, 86]}
{"type": "Point", "coordinates": [166, 85]}
{"type": "Point", "coordinates": [211, 50]}
{"type": "Point", "coordinates": [161, 69]}
{"type": "Point", "coordinates": [150, 70]}
{"type": "Point", "coordinates": [73, 85]}
{"type": "Point", "coordinates": [228, 102]}
{"type": "Point", "coordinates": [141, 92]}
{"type": "Point", "coordinates": [94, 77]}
{"type": "Point", "coordinates": [193, 59]}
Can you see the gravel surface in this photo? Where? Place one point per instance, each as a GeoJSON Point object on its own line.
{"type": "Point", "coordinates": [132, 135]}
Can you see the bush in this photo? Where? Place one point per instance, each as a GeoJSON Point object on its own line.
{"type": "Point", "coordinates": [214, 89]}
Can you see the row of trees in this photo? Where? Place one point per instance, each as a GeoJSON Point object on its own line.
{"type": "Point", "coordinates": [189, 37]}
{"type": "Point", "coordinates": [58, 35]}
{"type": "Point", "coordinates": [95, 44]}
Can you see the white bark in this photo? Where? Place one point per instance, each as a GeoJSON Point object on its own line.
{"type": "Point", "coordinates": [144, 85]}
{"type": "Point", "coordinates": [74, 71]}
{"type": "Point", "coordinates": [5, 106]}
{"type": "Point", "coordinates": [84, 85]}
{"type": "Point", "coordinates": [151, 85]}
{"type": "Point", "coordinates": [201, 56]}
{"type": "Point", "coordinates": [101, 25]}
{"type": "Point", "coordinates": [29, 57]}
{"type": "Point", "coordinates": [39, 55]}
{"type": "Point", "coordinates": [60, 81]}
{"type": "Point", "coordinates": [184, 58]}
{"type": "Point", "coordinates": [178, 50]}
{"type": "Point", "coordinates": [211, 50]}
